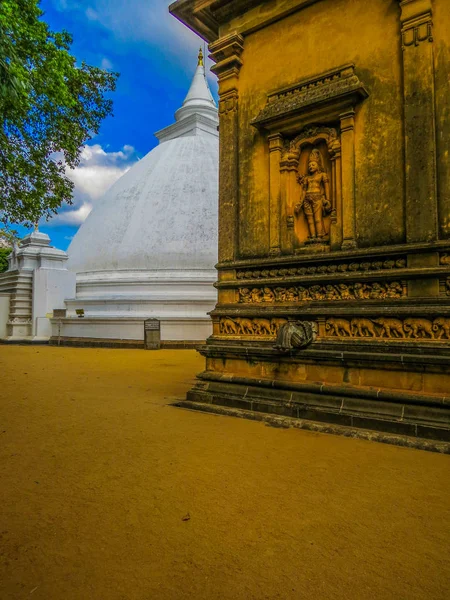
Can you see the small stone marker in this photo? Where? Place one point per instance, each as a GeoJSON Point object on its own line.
{"type": "Point", "coordinates": [152, 334]}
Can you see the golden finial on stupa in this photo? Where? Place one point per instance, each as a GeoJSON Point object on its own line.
{"type": "Point", "coordinates": [200, 58]}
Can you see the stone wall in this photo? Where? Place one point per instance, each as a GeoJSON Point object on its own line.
{"type": "Point", "coordinates": [334, 209]}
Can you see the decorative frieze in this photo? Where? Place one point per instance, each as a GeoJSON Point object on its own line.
{"type": "Point", "coordinates": [322, 269]}
{"type": "Point", "coordinates": [340, 291]}
{"type": "Point", "coordinates": [389, 328]}
{"type": "Point", "coordinates": [250, 326]}
{"type": "Point", "coordinates": [384, 328]}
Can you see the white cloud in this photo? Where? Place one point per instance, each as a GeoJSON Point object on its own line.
{"type": "Point", "coordinates": [94, 181]}
{"type": "Point", "coordinates": [72, 217]}
{"type": "Point", "coordinates": [106, 64]}
{"type": "Point", "coordinates": [97, 171]}
{"type": "Point", "coordinates": [91, 14]}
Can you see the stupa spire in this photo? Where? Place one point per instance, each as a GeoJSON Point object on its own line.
{"type": "Point", "coordinates": [198, 114]}
{"type": "Point", "coordinates": [199, 99]}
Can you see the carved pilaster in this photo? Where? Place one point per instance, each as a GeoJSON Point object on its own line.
{"type": "Point", "coordinates": [348, 179]}
{"type": "Point", "coordinates": [334, 149]}
{"type": "Point", "coordinates": [420, 132]}
{"type": "Point", "coordinates": [288, 176]}
{"type": "Point", "coordinates": [287, 165]}
{"type": "Point", "coordinates": [275, 150]}
{"type": "Point", "coordinates": [226, 52]}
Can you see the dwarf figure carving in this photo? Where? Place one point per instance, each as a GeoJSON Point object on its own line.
{"type": "Point", "coordinates": [315, 196]}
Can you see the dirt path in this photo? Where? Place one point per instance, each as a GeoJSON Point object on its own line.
{"type": "Point", "coordinates": [97, 473]}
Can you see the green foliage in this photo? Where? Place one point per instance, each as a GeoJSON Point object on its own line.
{"type": "Point", "coordinates": [49, 107]}
{"type": "Point", "coordinates": [8, 235]}
{"type": "Point", "coordinates": [4, 253]}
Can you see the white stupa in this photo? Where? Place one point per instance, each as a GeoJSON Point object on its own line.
{"type": "Point", "coordinates": [149, 246]}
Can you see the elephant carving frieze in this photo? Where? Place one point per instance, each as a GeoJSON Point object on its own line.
{"type": "Point", "coordinates": [366, 328]}
{"type": "Point", "coordinates": [441, 328]}
{"type": "Point", "coordinates": [413, 328]}
{"type": "Point", "coordinates": [250, 326]}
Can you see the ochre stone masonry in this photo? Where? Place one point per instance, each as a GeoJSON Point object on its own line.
{"type": "Point", "coordinates": [334, 210]}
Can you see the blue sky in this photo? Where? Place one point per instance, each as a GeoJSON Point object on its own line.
{"type": "Point", "coordinates": [156, 57]}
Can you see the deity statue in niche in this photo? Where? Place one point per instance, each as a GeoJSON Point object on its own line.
{"type": "Point", "coordinates": [315, 197]}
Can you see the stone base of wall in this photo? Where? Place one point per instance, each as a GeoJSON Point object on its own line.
{"type": "Point", "coordinates": [374, 389]}
{"type": "Point", "coordinates": [26, 341]}
{"type": "Point", "coordinates": [319, 427]}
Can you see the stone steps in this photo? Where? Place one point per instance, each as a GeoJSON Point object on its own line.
{"type": "Point", "coordinates": [351, 431]}
{"type": "Point", "coordinates": [19, 285]}
{"type": "Point", "coordinates": [417, 416]}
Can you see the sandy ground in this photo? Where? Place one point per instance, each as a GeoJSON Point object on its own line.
{"type": "Point", "coordinates": [98, 472]}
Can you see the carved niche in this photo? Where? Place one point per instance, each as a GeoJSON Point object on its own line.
{"type": "Point", "coordinates": [310, 188]}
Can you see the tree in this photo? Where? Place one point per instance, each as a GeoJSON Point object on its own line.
{"type": "Point", "coordinates": [4, 253]}
{"type": "Point", "coordinates": [49, 107]}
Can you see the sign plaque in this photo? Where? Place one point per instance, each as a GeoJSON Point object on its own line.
{"type": "Point", "coordinates": [152, 334]}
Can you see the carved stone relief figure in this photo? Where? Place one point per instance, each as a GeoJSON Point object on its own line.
{"type": "Point", "coordinates": [310, 189]}
{"type": "Point", "coordinates": [315, 197]}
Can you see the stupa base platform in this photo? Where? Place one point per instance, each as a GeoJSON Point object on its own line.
{"type": "Point", "coordinates": [24, 340]}
{"type": "Point", "coordinates": [84, 342]}
{"type": "Point", "coordinates": [127, 331]}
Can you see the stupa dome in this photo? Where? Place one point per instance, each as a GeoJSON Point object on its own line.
{"type": "Point", "coordinates": [149, 246]}
{"type": "Point", "coordinates": [162, 213]}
